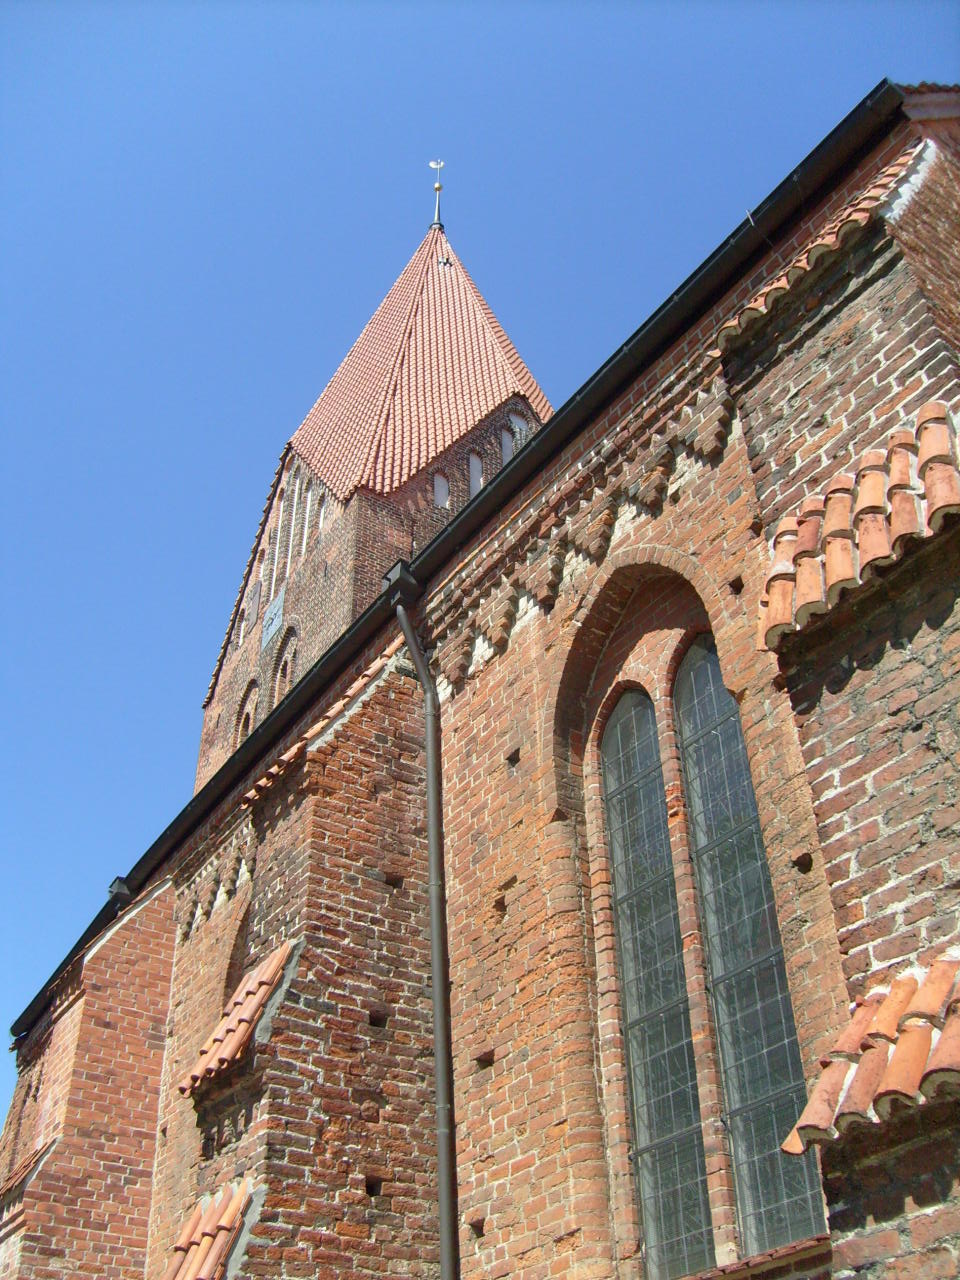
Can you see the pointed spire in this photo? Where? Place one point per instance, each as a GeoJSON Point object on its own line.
{"type": "Point", "coordinates": [438, 187]}
{"type": "Point", "coordinates": [430, 365]}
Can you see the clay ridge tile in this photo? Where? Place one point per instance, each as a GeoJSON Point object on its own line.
{"type": "Point", "coordinates": [900, 1049]}
{"type": "Point", "coordinates": [235, 1029]}
{"type": "Point", "coordinates": [862, 523]}
{"type": "Point", "coordinates": [204, 1244]}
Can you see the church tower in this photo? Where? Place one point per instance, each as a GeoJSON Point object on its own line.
{"type": "Point", "coordinates": [429, 402]}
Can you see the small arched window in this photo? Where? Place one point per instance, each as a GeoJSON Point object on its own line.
{"type": "Point", "coordinates": [307, 504]}
{"type": "Point", "coordinates": [441, 490]}
{"type": "Point", "coordinates": [777, 1197]}
{"type": "Point", "coordinates": [506, 444]}
{"type": "Point", "coordinates": [246, 714]}
{"type": "Point", "coordinates": [475, 463]}
{"type": "Point", "coordinates": [285, 669]}
{"type": "Point", "coordinates": [520, 428]}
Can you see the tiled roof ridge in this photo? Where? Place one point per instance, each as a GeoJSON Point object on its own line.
{"type": "Point", "coordinates": [900, 1050]}
{"type": "Point", "coordinates": [840, 228]}
{"type": "Point", "coordinates": [242, 1012]}
{"type": "Point", "coordinates": [202, 1248]}
{"type": "Point", "coordinates": [929, 86]}
{"type": "Point", "coordinates": [23, 1168]}
{"type": "Point", "coordinates": [336, 709]}
{"type": "Point", "coordinates": [400, 355]}
{"type": "Point", "coordinates": [862, 522]}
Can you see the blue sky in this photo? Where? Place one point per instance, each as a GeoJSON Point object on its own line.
{"type": "Point", "coordinates": [201, 205]}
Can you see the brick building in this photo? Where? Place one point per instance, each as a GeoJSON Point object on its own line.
{"type": "Point", "coordinates": [572, 884]}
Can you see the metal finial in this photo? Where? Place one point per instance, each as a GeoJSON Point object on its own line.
{"type": "Point", "coordinates": [438, 187]}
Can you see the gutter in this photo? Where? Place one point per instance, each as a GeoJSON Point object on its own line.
{"type": "Point", "coordinates": [856, 134]}
{"type": "Point", "coordinates": [405, 589]}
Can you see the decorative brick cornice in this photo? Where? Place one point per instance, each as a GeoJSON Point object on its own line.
{"type": "Point", "coordinates": [627, 472]}
{"type": "Point", "coordinates": [833, 238]}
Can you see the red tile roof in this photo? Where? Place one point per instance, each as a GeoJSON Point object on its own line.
{"type": "Point", "coordinates": [842, 227]}
{"type": "Point", "coordinates": [235, 1029]}
{"type": "Point", "coordinates": [204, 1243]}
{"type": "Point", "coordinates": [861, 523]}
{"type": "Point", "coordinates": [900, 1050]}
{"type": "Point", "coordinates": [431, 363]}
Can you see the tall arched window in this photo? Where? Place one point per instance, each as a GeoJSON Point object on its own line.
{"type": "Point", "coordinates": [777, 1198]}
{"type": "Point", "coordinates": [668, 1141]}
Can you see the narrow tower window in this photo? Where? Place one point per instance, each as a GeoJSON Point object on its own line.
{"type": "Point", "coordinates": [308, 502]}
{"type": "Point", "coordinates": [476, 474]}
{"type": "Point", "coordinates": [293, 524]}
{"type": "Point", "coordinates": [520, 427]}
{"type": "Point", "coordinates": [441, 490]}
{"type": "Point", "coordinates": [506, 445]}
{"type": "Point", "coordinates": [276, 547]}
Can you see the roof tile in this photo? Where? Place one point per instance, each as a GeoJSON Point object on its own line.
{"type": "Point", "coordinates": [22, 1169]}
{"type": "Point", "coordinates": [900, 1049]}
{"type": "Point", "coordinates": [896, 497]}
{"type": "Point", "coordinates": [840, 228]}
{"type": "Point", "coordinates": [235, 1029]}
{"type": "Point", "coordinates": [431, 364]}
{"type": "Point", "coordinates": [201, 1250]}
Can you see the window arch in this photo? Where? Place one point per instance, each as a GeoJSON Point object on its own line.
{"type": "Point", "coordinates": [284, 670]}
{"type": "Point", "coordinates": [755, 1042]}
{"type": "Point", "coordinates": [247, 713]}
{"type": "Point", "coordinates": [441, 490]}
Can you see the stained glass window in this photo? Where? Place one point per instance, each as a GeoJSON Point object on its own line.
{"type": "Point", "coordinates": [668, 1141]}
{"type": "Point", "coordinates": [778, 1197]}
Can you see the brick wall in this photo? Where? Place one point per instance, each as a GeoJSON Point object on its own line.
{"type": "Point", "coordinates": [350, 1149]}
{"type": "Point", "coordinates": [102, 1164]}
{"type": "Point", "coordinates": [876, 694]}
{"type": "Point", "coordinates": [926, 230]}
{"type": "Point", "coordinates": [894, 1202]}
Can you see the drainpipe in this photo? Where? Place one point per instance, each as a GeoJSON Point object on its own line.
{"type": "Point", "coordinates": [405, 590]}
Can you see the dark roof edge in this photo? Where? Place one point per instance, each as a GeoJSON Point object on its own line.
{"type": "Point", "coordinates": [862, 127]}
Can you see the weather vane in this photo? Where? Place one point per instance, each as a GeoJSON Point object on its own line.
{"type": "Point", "coordinates": [438, 187]}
